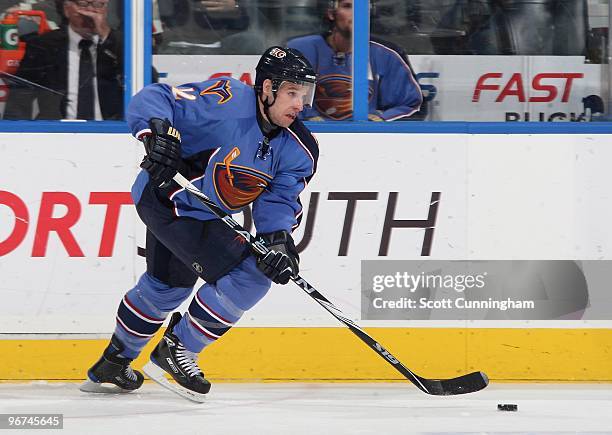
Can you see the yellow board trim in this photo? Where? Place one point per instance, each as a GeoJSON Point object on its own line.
{"type": "Point", "coordinates": [335, 354]}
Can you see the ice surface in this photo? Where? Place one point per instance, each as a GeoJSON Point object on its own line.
{"type": "Point", "coordinates": [393, 408]}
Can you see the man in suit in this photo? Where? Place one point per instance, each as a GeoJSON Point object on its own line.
{"type": "Point", "coordinates": [74, 72]}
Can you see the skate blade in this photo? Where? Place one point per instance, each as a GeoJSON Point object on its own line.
{"type": "Point", "coordinates": [156, 374]}
{"type": "Point", "coordinates": [92, 387]}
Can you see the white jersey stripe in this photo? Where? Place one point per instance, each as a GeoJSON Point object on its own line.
{"type": "Point", "coordinates": [202, 329]}
{"type": "Point", "coordinates": [209, 311]}
{"type": "Point", "coordinates": [142, 132]}
{"type": "Point", "coordinates": [410, 74]}
{"type": "Point", "coordinates": [126, 302]}
{"type": "Point", "coordinates": [138, 334]}
{"type": "Point", "coordinates": [303, 146]}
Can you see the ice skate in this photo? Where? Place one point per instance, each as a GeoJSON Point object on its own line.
{"type": "Point", "coordinates": [112, 369]}
{"type": "Point", "coordinates": [171, 357]}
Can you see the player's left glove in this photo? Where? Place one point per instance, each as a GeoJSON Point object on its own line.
{"type": "Point", "coordinates": [283, 260]}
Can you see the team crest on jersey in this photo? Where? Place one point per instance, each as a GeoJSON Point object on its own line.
{"type": "Point", "coordinates": [333, 97]}
{"type": "Point", "coordinates": [237, 186]}
{"type": "Point", "coordinates": [222, 89]}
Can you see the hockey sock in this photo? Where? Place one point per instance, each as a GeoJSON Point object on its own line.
{"type": "Point", "coordinates": [142, 312]}
{"type": "Point", "coordinates": [216, 308]}
{"type": "Point", "coordinates": [209, 316]}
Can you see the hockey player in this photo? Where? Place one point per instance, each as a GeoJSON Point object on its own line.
{"type": "Point", "coordinates": [393, 90]}
{"type": "Point", "coordinates": [239, 145]}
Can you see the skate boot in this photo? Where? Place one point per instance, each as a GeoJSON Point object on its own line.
{"type": "Point", "coordinates": [112, 369]}
{"type": "Point", "coordinates": [171, 357]}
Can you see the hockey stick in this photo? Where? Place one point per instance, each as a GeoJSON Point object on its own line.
{"type": "Point", "coordinates": [440, 387]}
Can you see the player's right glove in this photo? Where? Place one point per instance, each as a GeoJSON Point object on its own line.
{"type": "Point", "coordinates": [163, 148]}
{"type": "Point", "coordinates": [282, 261]}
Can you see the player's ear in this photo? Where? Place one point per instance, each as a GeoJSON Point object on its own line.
{"type": "Point", "coordinates": [266, 88]}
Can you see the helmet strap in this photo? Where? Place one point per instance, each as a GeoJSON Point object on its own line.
{"type": "Point", "coordinates": [266, 123]}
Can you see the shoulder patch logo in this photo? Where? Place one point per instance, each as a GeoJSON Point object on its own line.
{"type": "Point", "coordinates": [222, 89]}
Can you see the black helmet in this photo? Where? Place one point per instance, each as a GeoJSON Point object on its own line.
{"type": "Point", "coordinates": [283, 64]}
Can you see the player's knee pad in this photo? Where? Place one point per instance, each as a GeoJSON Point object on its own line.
{"type": "Point", "coordinates": [245, 285]}
{"type": "Point", "coordinates": [160, 295]}
{"type": "Point", "coordinates": [210, 316]}
{"type": "Point", "coordinates": [143, 309]}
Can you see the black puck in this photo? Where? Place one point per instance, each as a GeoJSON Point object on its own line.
{"type": "Point", "coordinates": [507, 407]}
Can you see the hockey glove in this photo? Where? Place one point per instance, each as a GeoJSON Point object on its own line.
{"type": "Point", "coordinates": [283, 260]}
{"type": "Point", "coordinates": [163, 148]}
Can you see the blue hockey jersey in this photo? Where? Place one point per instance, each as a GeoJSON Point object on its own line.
{"type": "Point", "coordinates": [393, 90]}
{"type": "Point", "coordinates": [224, 153]}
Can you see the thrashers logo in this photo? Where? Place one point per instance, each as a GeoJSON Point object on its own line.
{"type": "Point", "coordinates": [237, 186]}
{"type": "Point", "coordinates": [333, 97]}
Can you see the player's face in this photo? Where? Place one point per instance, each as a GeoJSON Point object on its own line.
{"type": "Point", "coordinates": [289, 103]}
{"type": "Point", "coordinates": [343, 17]}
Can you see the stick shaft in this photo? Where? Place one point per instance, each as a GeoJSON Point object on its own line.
{"type": "Point", "coordinates": [425, 385]}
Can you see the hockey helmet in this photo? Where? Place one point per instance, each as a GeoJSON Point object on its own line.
{"type": "Point", "coordinates": [280, 65]}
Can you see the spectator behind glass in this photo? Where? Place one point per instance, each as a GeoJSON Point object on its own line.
{"type": "Point", "coordinates": [207, 27]}
{"type": "Point", "coordinates": [393, 90]}
{"type": "Point", "coordinates": [70, 79]}
{"type": "Point", "coordinates": [517, 27]}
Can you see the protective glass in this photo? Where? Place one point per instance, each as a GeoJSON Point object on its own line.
{"type": "Point", "coordinates": [298, 88]}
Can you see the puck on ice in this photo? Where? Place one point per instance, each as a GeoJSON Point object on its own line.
{"type": "Point", "coordinates": [507, 407]}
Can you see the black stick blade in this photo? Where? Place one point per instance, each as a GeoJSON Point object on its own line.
{"type": "Point", "coordinates": [469, 383]}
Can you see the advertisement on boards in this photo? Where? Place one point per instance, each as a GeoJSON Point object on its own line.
{"type": "Point", "coordinates": [71, 242]}
{"type": "Point", "coordinates": [457, 88]}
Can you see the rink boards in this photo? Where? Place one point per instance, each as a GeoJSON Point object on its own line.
{"type": "Point", "coordinates": [69, 240]}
